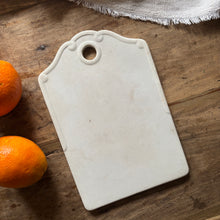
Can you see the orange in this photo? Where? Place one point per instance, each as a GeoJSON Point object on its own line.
{"type": "Point", "coordinates": [10, 87]}
{"type": "Point", "coordinates": [22, 162]}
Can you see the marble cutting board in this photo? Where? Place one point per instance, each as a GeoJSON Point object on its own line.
{"type": "Point", "coordinates": [111, 117]}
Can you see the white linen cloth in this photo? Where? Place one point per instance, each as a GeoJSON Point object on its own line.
{"type": "Point", "coordinates": [161, 11]}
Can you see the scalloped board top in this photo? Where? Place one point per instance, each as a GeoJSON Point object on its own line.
{"type": "Point", "coordinates": [111, 117]}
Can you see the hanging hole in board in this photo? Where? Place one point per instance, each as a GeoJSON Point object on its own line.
{"type": "Point", "coordinates": [89, 52]}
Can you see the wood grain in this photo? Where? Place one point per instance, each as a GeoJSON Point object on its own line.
{"type": "Point", "coordinates": [15, 5]}
{"type": "Point", "coordinates": [215, 218]}
{"type": "Point", "coordinates": [187, 60]}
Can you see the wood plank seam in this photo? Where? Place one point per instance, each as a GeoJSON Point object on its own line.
{"type": "Point", "coordinates": [194, 96]}
{"type": "Point", "coordinates": [21, 9]}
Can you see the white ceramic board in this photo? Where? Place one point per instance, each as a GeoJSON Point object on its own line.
{"type": "Point", "coordinates": [112, 118]}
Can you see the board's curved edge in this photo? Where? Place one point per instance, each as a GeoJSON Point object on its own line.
{"type": "Point", "coordinates": [42, 78]}
{"type": "Point", "coordinates": [98, 36]}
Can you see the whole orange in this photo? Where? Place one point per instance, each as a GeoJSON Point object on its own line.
{"type": "Point", "coordinates": [10, 87]}
{"type": "Point", "coordinates": [22, 162]}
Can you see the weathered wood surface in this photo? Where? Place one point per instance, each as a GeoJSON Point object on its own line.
{"type": "Point", "coordinates": [188, 63]}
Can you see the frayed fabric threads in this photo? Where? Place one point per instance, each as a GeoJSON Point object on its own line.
{"type": "Point", "coordinates": [163, 12]}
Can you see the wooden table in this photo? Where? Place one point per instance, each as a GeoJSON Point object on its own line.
{"type": "Point", "coordinates": [188, 63]}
